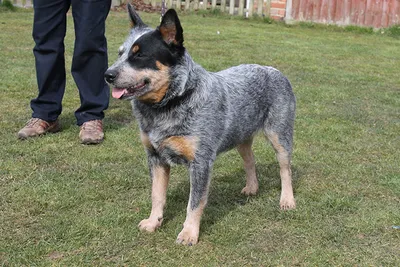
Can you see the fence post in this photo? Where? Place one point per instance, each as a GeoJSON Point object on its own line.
{"type": "Point", "coordinates": [260, 6]}
{"type": "Point", "coordinates": [18, 3]}
{"type": "Point", "coordinates": [213, 4]}
{"type": "Point", "coordinates": [251, 7]}
{"type": "Point", "coordinates": [223, 5]}
{"type": "Point", "coordinates": [231, 7]}
{"type": "Point", "coordinates": [28, 3]}
{"type": "Point", "coordinates": [241, 8]}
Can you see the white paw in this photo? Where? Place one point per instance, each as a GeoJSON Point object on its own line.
{"type": "Point", "coordinates": [287, 203]}
{"type": "Point", "coordinates": [150, 225]}
{"type": "Point", "coordinates": [188, 236]}
{"type": "Point", "coordinates": [249, 190]}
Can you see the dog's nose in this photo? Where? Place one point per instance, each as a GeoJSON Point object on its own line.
{"type": "Point", "coordinates": [110, 75]}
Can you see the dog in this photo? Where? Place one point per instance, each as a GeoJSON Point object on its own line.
{"type": "Point", "coordinates": [188, 115]}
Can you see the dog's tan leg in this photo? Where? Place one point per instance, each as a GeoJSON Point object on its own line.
{"type": "Point", "coordinates": [191, 227]}
{"type": "Point", "coordinates": [247, 155]}
{"type": "Point", "coordinates": [160, 178]}
{"type": "Point", "coordinates": [287, 199]}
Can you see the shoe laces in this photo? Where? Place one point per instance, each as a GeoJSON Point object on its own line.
{"type": "Point", "coordinates": [32, 122]}
{"type": "Point", "coordinates": [94, 125]}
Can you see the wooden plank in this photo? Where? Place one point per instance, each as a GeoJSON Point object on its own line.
{"type": "Point", "coordinates": [187, 5]}
{"type": "Point", "coordinates": [213, 4]}
{"type": "Point", "coordinates": [377, 7]}
{"type": "Point", "coordinates": [338, 12]}
{"type": "Point", "coordinates": [316, 10]}
{"type": "Point", "coordinates": [251, 7]}
{"type": "Point", "coordinates": [241, 7]}
{"type": "Point", "coordinates": [385, 14]}
{"type": "Point", "coordinates": [260, 7]}
{"type": "Point", "coordinates": [305, 7]}
{"type": "Point", "coordinates": [369, 16]}
{"type": "Point", "coordinates": [223, 5]}
{"type": "Point", "coordinates": [324, 11]}
{"type": "Point", "coordinates": [205, 4]}
{"type": "Point", "coordinates": [268, 7]}
{"type": "Point", "coordinates": [331, 11]}
{"type": "Point", "coordinates": [295, 9]}
{"type": "Point", "coordinates": [361, 12]}
{"type": "Point", "coordinates": [231, 6]}
{"type": "Point", "coordinates": [178, 4]}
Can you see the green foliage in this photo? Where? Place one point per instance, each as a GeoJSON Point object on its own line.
{"type": "Point", "coordinates": [394, 31]}
{"type": "Point", "coordinates": [358, 29]}
{"type": "Point", "coordinates": [65, 204]}
{"type": "Point", "coordinates": [7, 5]}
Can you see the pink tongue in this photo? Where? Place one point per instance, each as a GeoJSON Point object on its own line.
{"type": "Point", "coordinates": [118, 93]}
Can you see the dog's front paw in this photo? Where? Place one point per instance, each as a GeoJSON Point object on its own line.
{"type": "Point", "coordinates": [249, 190]}
{"type": "Point", "coordinates": [188, 236]}
{"type": "Point", "coordinates": [287, 203]}
{"type": "Point", "coordinates": [150, 225]}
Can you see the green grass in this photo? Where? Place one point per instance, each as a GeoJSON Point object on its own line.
{"type": "Point", "coordinates": [67, 204]}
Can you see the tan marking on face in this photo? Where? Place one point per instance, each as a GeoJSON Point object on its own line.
{"type": "Point", "coordinates": [135, 48]}
{"type": "Point", "coordinates": [146, 141]}
{"type": "Point", "coordinates": [182, 145]}
{"type": "Point", "coordinates": [159, 83]}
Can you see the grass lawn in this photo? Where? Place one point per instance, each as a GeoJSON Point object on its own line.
{"type": "Point", "coordinates": [66, 204]}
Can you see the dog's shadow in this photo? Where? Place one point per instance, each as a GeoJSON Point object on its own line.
{"type": "Point", "coordinates": [225, 193]}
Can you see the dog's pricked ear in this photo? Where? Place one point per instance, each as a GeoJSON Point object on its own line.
{"type": "Point", "coordinates": [171, 29]}
{"type": "Point", "coordinates": [136, 21]}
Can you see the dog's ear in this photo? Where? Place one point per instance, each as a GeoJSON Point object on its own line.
{"type": "Point", "coordinates": [136, 21]}
{"type": "Point", "coordinates": [171, 29]}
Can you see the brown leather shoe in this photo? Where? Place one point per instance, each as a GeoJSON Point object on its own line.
{"type": "Point", "coordinates": [91, 132]}
{"type": "Point", "coordinates": [35, 127]}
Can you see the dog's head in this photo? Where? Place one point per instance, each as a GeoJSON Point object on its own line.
{"type": "Point", "coordinates": [143, 68]}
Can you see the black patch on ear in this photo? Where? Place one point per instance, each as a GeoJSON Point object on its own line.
{"type": "Point", "coordinates": [171, 29]}
{"type": "Point", "coordinates": [136, 21]}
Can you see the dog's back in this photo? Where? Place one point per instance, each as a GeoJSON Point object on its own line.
{"type": "Point", "coordinates": [240, 101]}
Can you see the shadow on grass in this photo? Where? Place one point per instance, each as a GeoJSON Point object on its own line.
{"type": "Point", "coordinates": [225, 195]}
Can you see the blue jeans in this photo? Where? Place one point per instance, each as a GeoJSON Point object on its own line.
{"type": "Point", "coordinates": [89, 61]}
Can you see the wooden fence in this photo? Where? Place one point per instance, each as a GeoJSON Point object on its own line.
{"type": "Point", "coordinates": [22, 3]}
{"type": "Point", "coordinates": [371, 13]}
{"type": "Point", "coordinates": [233, 7]}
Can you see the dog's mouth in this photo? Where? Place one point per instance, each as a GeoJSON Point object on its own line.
{"type": "Point", "coordinates": [136, 90]}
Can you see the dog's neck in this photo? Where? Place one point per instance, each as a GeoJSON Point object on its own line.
{"type": "Point", "coordinates": [185, 78]}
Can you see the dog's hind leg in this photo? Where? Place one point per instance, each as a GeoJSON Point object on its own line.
{"type": "Point", "coordinates": [283, 147]}
{"type": "Point", "coordinates": [199, 185]}
{"type": "Point", "coordinates": [160, 178]}
{"type": "Point", "coordinates": [247, 155]}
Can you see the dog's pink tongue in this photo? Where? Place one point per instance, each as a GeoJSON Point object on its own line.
{"type": "Point", "coordinates": [118, 92]}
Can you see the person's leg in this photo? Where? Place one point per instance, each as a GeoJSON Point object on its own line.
{"type": "Point", "coordinates": [90, 58]}
{"type": "Point", "coordinates": [49, 28]}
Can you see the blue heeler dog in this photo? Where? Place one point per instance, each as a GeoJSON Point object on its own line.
{"type": "Point", "coordinates": [188, 115]}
